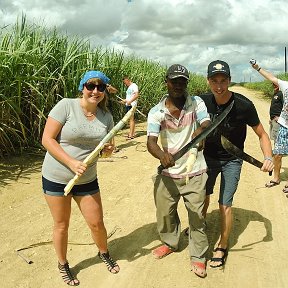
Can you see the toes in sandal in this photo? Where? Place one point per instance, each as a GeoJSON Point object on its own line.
{"type": "Point", "coordinates": [67, 275]}
{"type": "Point", "coordinates": [199, 269]}
{"type": "Point", "coordinates": [285, 189]}
{"type": "Point", "coordinates": [272, 183]}
{"type": "Point", "coordinates": [162, 251]}
{"type": "Point", "coordinates": [221, 260]}
{"type": "Point", "coordinates": [110, 263]}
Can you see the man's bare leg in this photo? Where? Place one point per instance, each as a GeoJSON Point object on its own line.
{"type": "Point", "coordinates": [132, 127]}
{"type": "Point", "coordinates": [226, 225]}
{"type": "Point", "coordinates": [277, 159]}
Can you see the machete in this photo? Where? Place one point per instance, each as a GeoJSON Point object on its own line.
{"type": "Point", "coordinates": [234, 150]}
{"type": "Point", "coordinates": [201, 136]}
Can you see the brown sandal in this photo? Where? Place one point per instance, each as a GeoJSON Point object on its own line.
{"type": "Point", "coordinates": [67, 275]}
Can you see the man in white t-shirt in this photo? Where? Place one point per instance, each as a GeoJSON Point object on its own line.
{"type": "Point", "coordinates": [132, 94]}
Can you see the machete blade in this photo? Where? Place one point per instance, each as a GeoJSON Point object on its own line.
{"type": "Point", "coordinates": [201, 136]}
{"type": "Point", "coordinates": [234, 150]}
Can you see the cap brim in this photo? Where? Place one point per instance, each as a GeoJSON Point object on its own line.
{"type": "Point", "coordinates": [218, 72]}
{"type": "Point", "coordinates": [177, 76]}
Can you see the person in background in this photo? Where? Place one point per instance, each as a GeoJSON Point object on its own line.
{"type": "Point", "coordinates": [219, 161]}
{"type": "Point", "coordinates": [132, 94]}
{"type": "Point", "coordinates": [176, 119]}
{"type": "Point", "coordinates": [281, 143]}
{"type": "Point", "coordinates": [73, 129]}
{"type": "Point", "coordinates": [111, 90]}
{"type": "Point", "coordinates": [275, 111]}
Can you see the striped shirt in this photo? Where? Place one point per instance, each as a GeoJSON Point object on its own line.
{"type": "Point", "coordinates": [176, 133]}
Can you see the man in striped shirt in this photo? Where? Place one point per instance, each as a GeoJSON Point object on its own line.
{"type": "Point", "coordinates": [176, 119]}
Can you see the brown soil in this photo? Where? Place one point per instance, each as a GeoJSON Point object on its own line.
{"type": "Point", "coordinates": [258, 250]}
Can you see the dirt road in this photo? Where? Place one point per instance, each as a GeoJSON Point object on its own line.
{"type": "Point", "coordinates": [258, 250]}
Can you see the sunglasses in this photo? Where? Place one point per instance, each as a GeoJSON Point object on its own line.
{"type": "Point", "coordinates": [92, 86]}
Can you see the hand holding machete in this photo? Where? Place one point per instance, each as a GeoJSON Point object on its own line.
{"type": "Point", "coordinates": [193, 143]}
{"type": "Point", "coordinates": [234, 150]}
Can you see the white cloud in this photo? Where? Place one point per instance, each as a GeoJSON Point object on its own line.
{"type": "Point", "coordinates": [190, 32]}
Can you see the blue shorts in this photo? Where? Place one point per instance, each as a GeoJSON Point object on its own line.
{"type": "Point", "coordinates": [230, 175]}
{"type": "Point", "coordinates": [57, 189]}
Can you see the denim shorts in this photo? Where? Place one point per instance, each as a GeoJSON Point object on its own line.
{"type": "Point", "coordinates": [230, 174]}
{"type": "Point", "coordinates": [57, 189]}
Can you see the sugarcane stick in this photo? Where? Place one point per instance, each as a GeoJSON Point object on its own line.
{"type": "Point", "coordinates": [136, 108]}
{"type": "Point", "coordinates": [190, 162]}
{"type": "Point", "coordinates": [100, 146]}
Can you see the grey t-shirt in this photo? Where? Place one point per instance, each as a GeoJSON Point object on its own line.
{"type": "Point", "coordinates": [78, 137]}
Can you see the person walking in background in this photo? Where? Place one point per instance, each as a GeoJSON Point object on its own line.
{"type": "Point", "coordinates": [281, 143]}
{"type": "Point", "coordinates": [234, 128]}
{"type": "Point", "coordinates": [176, 119]}
{"type": "Point", "coordinates": [73, 129]}
{"type": "Point", "coordinates": [132, 94]}
{"type": "Point", "coordinates": [111, 90]}
{"type": "Point", "coordinates": [275, 111]}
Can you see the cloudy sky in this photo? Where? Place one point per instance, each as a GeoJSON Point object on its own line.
{"type": "Point", "coordinates": [189, 32]}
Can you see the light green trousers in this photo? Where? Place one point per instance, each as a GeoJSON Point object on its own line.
{"type": "Point", "coordinates": [167, 193]}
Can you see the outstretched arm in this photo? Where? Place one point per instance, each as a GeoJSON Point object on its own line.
{"type": "Point", "coordinates": [268, 75]}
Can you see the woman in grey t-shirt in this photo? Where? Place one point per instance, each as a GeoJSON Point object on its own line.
{"type": "Point", "coordinates": [74, 128]}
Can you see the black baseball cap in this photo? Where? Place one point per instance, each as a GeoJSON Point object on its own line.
{"type": "Point", "coordinates": [176, 71]}
{"type": "Point", "coordinates": [217, 67]}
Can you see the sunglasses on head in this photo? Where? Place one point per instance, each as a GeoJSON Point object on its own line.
{"type": "Point", "coordinates": [92, 86]}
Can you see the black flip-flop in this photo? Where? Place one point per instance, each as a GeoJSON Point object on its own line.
{"type": "Point", "coordinates": [271, 183]}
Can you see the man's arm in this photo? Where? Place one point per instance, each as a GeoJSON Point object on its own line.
{"type": "Point", "coordinates": [165, 158]}
{"type": "Point", "coordinates": [265, 145]}
{"type": "Point", "coordinates": [111, 89]}
{"type": "Point", "coordinates": [199, 130]}
{"type": "Point", "coordinates": [134, 97]}
{"type": "Point", "coordinates": [268, 75]}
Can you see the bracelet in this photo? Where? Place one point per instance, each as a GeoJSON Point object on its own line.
{"type": "Point", "coordinates": [259, 69]}
{"type": "Point", "coordinates": [268, 158]}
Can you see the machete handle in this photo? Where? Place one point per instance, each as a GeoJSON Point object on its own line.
{"type": "Point", "coordinates": [160, 169]}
